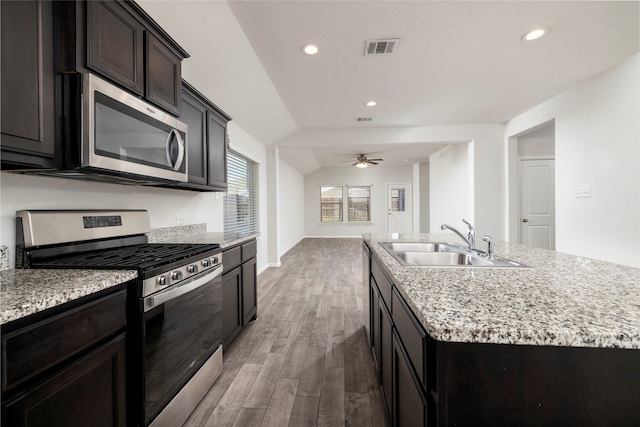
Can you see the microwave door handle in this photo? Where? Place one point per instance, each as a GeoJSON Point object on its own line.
{"type": "Point", "coordinates": [175, 165]}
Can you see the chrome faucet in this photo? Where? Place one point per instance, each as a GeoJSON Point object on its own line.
{"type": "Point", "coordinates": [489, 246]}
{"type": "Point", "coordinates": [470, 240]}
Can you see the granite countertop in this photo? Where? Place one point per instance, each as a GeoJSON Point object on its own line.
{"type": "Point", "coordinates": [25, 292]}
{"type": "Point", "coordinates": [224, 240]}
{"type": "Point", "coordinates": [563, 300]}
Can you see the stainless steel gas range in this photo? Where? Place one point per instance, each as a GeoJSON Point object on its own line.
{"type": "Point", "coordinates": [175, 328]}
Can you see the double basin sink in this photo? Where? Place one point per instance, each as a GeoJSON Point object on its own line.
{"type": "Point", "coordinates": [443, 255]}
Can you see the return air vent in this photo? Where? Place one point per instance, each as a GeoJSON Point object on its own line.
{"type": "Point", "coordinates": [381, 47]}
{"type": "Point", "coordinates": [363, 119]}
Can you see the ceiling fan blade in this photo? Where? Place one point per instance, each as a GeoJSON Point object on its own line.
{"type": "Point", "coordinates": [373, 163]}
{"type": "Point", "coordinates": [355, 163]}
{"type": "Point", "coordinates": [376, 160]}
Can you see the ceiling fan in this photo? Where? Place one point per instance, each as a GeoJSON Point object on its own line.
{"type": "Point", "coordinates": [362, 161]}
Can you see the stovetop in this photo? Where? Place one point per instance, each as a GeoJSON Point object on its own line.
{"type": "Point", "coordinates": [135, 257]}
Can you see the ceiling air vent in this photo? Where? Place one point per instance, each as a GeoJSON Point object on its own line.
{"type": "Point", "coordinates": [380, 47]}
{"type": "Point", "coordinates": [363, 119]}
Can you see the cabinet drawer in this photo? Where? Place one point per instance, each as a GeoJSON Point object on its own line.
{"type": "Point", "coordinates": [232, 258]}
{"type": "Point", "coordinates": [31, 350]}
{"type": "Point", "coordinates": [412, 335]}
{"type": "Point", "coordinates": [384, 285]}
{"type": "Point", "coordinates": [248, 251]}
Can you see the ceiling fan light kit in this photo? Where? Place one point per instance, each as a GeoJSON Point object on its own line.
{"type": "Point", "coordinates": [362, 161]}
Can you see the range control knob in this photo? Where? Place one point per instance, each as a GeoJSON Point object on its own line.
{"type": "Point", "coordinates": [206, 263]}
{"type": "Point", "coordinates": [162, 280]}
{"type": "Point", "coordinates": [215, 260]}
{"type": "Point", "coordinates": [192, 268]}
{"type": "Point", "coordinates": [176, 275]}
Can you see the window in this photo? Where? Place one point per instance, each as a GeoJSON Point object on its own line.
{"type": "Point", "coordinates": [358, 203]}
{"type": "Point", "coordinates": [241, 207]}
{"type": "Point", "coordinates": [330, 204]}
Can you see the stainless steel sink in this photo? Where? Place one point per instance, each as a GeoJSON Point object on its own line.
{"type": "Point", "coordinates": [421, 247]}
{"type": "Point", "coordinates": [443, 255]}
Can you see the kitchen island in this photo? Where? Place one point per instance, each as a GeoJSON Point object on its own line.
{"type": "Point", "coordinates": [554, 344]}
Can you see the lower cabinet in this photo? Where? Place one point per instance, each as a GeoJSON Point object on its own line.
{"type": "Point", "coordinates": [239, 293]}
{"type": "Point", "coordinates": [409, 401]}
{"type": "Point", "coordinates": [90, 392]}
{"type": "Point", "coordinates": [67, 368]}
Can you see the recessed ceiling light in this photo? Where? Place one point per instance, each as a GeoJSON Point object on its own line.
{"type": "Point", "coordinates": [534, 34]}
{"type": "Point", "coordinates": [371, 104]}
{"type": "Point", "coordinates": [310, 49]}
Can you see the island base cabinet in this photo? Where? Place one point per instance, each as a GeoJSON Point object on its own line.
{"type": "Point", "coordinates": [409, 402]}
{"type": "Point", "coordinates": [499, 384]}
{"type": "Point", "coordinates": [89, 393]}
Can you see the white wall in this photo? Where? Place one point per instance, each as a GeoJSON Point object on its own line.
{"type": "Point", "coordinates": [540, 142]}
{"type": "Point", "coordinates": [377, 176]}
{"type": "Point", "coordinates": [597, 144]}
{"type": "Point", "coordinates": [424, 198]}
{"type": "Point", "coordinates": [449, 187]}
{"type": "Point", "coordinates": [36, 192]}
{"type": "Point", "coordinates": [291, 207]}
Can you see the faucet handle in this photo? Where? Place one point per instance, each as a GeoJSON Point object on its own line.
{"type": "Point", "coordinates": [468, 224]}
{"type": "Point", "coordinates": [489, 246]}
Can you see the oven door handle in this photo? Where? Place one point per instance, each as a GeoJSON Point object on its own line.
{"type": "Point", "coordinates": [176, 291]}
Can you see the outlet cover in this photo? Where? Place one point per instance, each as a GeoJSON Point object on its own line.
{"type": "Point", "coordinates": [583, 192]}
{"type": "Point", "coordinates": [180, 220]}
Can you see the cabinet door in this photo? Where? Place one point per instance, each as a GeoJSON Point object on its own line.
{"type": "Point", "coordinates": [163, 79]}
{"type": "Point", "coordinates": [90, 392]}
{"type": "Point", "coordinates": [249, 299]}
{"type": "Point", "coordinates": [194, 114]}
{"type": "Point", "coordinates": [115, 44]}
{"type": "Point", "coordinates": [409, 402]}
{"type": "Point", "coordinates": [27, 74]}
{"type": "Point", "coordinates": [217, 137]}
{"type": "Point", "coordinates": [375, 324]}
{"type": "Point", "coordinates": [231, 305]}
{"type": "Point", "coordinates": [386, 359]}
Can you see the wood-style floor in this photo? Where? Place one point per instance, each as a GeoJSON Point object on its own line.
{"type": "Point", "coordinates": [305, 361]}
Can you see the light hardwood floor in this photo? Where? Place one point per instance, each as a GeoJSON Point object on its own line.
{"type": "Point", "coordinates": [305, 361]}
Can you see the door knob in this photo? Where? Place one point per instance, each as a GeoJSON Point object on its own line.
{"type": "Point", "coordinates": [525, 220]}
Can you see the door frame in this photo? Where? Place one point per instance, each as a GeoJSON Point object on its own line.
{"type": "Point", "coordinates": [522, 159]}
{"type": "Point", "coordinates": [408, 198]}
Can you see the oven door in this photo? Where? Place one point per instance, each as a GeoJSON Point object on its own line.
{"type": "Point", "coordinates": [182, 328]}
{"type": "Point", "coordinates": [124, 134]}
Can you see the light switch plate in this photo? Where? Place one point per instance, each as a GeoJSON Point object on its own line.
{"type": "Point", "coordinates": [583, 192]}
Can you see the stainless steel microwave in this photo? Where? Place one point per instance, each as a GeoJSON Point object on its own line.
{"type": "Point", "coordinates": [124, 135]}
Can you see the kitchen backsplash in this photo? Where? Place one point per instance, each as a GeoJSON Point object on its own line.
{"type": "Point", "coordinates": [4, 257]}
{"type": "Point", "coordinates": [167, 233]}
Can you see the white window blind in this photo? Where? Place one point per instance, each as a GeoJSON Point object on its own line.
{"type": "Point", "coordinates": [330, 204]}
{"type": "Point", "coordinates": [359, 204]}
{"type": "Point", "coordinates": [241, 206]}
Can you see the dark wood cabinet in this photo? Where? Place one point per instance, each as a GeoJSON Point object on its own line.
{"type": "Point", "coordinates": [239, 297]}
{"type": "Point", "coordinates": [409, 401]}
{"type": "Point", "coordinates": [28, 85]}
{"type": "Point", "coordinates": [121, 42]}
{"type": "Point", "coordinates": [163, 76]}
{"type": "Point", "coordinates": [217, 145]}
{"type": "Point", "coordinates": [232, 319]}
{"type": "Point", "coordinates": [89, 392]}
{"type": "Point", "coordinates": [66, 366]}
{"type": "Point", "coordinates": [207, 142]}
{"type": "Point", "coordinates": [115, 41]}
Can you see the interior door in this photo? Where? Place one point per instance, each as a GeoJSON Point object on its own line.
{"type": "Point", "coordinates": [399, 208]}
{"type": "Point", "coordinates": [537, 203]}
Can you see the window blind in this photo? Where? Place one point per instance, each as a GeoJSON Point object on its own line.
{"type": "Point", "coordinates": [241, 201]}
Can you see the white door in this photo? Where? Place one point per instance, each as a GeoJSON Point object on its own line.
{"type": "Point", "coordinates": [537, 203]}
{"type": "Point", "coordinates": [399, 208]}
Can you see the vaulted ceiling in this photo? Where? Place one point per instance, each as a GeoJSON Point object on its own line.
{"type": "Point", "coordinates": [457, 62]}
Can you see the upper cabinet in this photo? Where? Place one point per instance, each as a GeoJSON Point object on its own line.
{"type": "Point", "coordinates": [28, 85]}
{"type": "Point", "coordinates": [206, 143]}
{"type": "Point", "coordinates": [125, 45]}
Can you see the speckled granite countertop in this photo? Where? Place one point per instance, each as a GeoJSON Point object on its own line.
{"type": "Point", "coordinates": [223, 240]}
{"type": "Point", "coordinates": [563, 300]}
{"type": "Point", "coordinates": [25, 292]}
